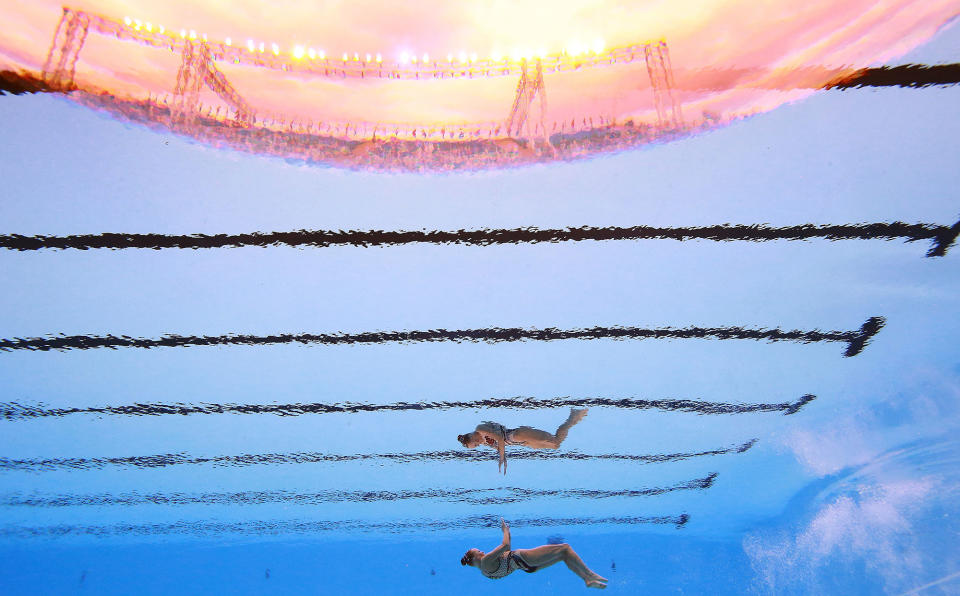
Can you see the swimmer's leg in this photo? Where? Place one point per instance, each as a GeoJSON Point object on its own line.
{"type": "Point", "coordinates": [574, 417]}
{"type": "Point", "coordinates": [545, 556]}
{"type": "Point", "coordinates": [541, 439]}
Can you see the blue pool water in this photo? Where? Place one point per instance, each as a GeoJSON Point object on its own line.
{"type": "Point", "coordinates": [856, 492]}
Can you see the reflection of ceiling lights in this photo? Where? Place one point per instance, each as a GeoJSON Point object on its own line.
{"type": "Point", "coordinates": [575, 53]}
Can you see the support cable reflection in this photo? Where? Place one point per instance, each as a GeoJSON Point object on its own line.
{"type": "Point", "coordinates": [856, 340]}
{"type": "Point", "coordinates": [163, 460]}
{"type": "Point", "coordinates": [16, 411]}
{"type": "Point", "coordinates": [942, 236]}
{"type": "Point", "coordinates": [471, 496]}
{"type": "Point", "coordinates": [197, 528]}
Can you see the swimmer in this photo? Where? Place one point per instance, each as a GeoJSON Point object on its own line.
{"type": "Point", "coordinates": [493, 434]}
{"type": "Point", "coordinates": [501, 561]}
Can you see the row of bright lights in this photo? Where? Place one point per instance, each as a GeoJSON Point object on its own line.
{"type": "Point", "coordinates": [300, 52]}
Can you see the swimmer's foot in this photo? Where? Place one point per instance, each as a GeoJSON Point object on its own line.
{"type": "Point", "coordinates": [576, 415]}
{"type": "Point", "coordinates": [595, 583]}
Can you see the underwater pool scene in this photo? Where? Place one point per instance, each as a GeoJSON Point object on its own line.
{"type": "Point", "coordinates": [709, 339]}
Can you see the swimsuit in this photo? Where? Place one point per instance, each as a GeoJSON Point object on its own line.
{"type": "Point", "coordinates": [507, 563]}
{"type": "Point", "coordinates": [507, 434]}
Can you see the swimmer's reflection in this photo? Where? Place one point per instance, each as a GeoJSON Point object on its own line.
{"type": "Point", "coordinates": [494, 434]}
{"type": "Point", "coordinates": [501, 561]}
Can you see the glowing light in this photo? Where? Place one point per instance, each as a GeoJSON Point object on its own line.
{"type": "Point", "coordinates": [321, 54]}
{"type": "Point", "coordinates": [345, 57]}
{"type": "Point", "coordinates": [262, 45]}
{"type": "Point", "coordinates": [204, 36]}
{"type": "Point", "coordinates": [568, 100]}
{"type": "Point", "coordinates": [356, 57]}
{"type": "Point", "coordinates": [160, 29]}
{"type": "Point", "coordinates": [404, 57]}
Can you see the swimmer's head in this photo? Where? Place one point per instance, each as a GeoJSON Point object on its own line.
{"type": "Point", "coordinates": [472, 557]}
{"type": "Point", "coordinates": [467, 440]}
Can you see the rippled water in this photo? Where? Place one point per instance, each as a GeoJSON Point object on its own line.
{"type": "Point", "coordinates": [767, 417]}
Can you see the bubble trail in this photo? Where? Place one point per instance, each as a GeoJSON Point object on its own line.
{"type": "Point", "coordinates": [855, 340]}
{"type": "Point", "coordinates": [163, 460]}
{"type": "Point", "coordinates": [482, 496]}
{"type": "Point", "coordinates": [16, 411]}
{"type": "Point", "coordinates": [942, 236]}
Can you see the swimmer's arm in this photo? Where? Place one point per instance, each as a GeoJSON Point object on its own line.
{"type": "Point", "coordinates": [504, 546]}
{"type": "Point", "coordinates": [499, 444]}
{"type": "Point", "coordinates": [489, 561]}
{"type": "Point", "coordinates": [502, 450]}
{"type": "Point", "coordinates": [495, 440]}
{"type": "Point", "coordinates": [506, 532]}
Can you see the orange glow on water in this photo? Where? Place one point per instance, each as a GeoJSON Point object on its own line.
{"type": "Point", "coordinates": [363, 70]}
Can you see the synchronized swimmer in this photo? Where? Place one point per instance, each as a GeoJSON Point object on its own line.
{"type": "Point", "coordinates": [493, 434]}
{"type": "Point", "coordinates": [501, 561]}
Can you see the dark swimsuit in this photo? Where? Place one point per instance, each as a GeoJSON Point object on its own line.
{"type": "Point", "coordinates": [508, 435]}
{"type": "Point", "coordinates": [507, 563]}
{"type": "Point", "coordinates": [521, 564]}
